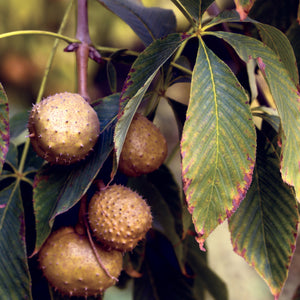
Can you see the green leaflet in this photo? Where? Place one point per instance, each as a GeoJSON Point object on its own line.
{"type": "Point", "coordinates": [162, 199]}
{"type": "Point", "coordinates": [286, 97]}
{"type": "Point", "coordinates": [149, 23]}
{"type": "Point", "coordinates": [280, 44]}
{"type": "Point", "coordinates": [14, 270]}
{"type": "Point", "coordinates": [139, 79]}
{"type": "Point", "coordinates": [271, 36]}
{"type": "Point", "coordinates": [218, 144]}
{"type": "Point", "coordinates": [264, 228]}
{"type": "Point", "coordinates": [194, 8]}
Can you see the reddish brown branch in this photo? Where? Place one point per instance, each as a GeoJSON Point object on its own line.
{"type": "Point", "coordinates": [82, 52]}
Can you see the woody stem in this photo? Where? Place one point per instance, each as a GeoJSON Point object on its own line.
{"type": "Point", "coordinates": [82, 52]}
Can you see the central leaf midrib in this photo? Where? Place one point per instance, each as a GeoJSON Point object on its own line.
{"type": "Point", "coordinates": [217, 121]}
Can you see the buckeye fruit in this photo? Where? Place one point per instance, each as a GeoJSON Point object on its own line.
{"type": "Point", "coordinates": [70, 265]}
{"type": "Point", "coordinates": [119, 217]}
{"type": "Point", "coordinates": [63, 128]}
{"type": "Point", "coordinates": [144, 148]}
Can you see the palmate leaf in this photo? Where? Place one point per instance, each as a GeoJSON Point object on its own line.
{"type": "Point", "coordinates": [149, 23]}
{"type": "Point", "coordinates": [14, 270]}
{"type": "Point", "coordinates": [218, 144]}
{"type": "Point", "coordinates": [57, 189]}
{"type": "Point", "coordinates": [139, 79]}
{"type": "Point", "coordinates": [264, 228]}
{"type": "Point", "coordinates": [4, 127]}
{"type": "Point", "coordinates": [286, 97]}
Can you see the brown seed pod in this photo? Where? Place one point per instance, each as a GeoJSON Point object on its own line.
{"type": "Point", "coordinates": [119, 217]}
{"type": "Point", "coordinates": [63, 128]}
{"type": "Point", "coordinates": [144, 149]}
{"type": "Point", "coordinates": [70, 265]}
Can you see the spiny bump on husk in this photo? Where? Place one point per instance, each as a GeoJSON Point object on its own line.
{"type": "Point", "coordinates": [63, 128]}
{"type": "Point", "coordinates": [144, 149]}
{"type": "Point", "coordinates": [119, 217]}
{"type": "Point", "coordinates": [69, 264]}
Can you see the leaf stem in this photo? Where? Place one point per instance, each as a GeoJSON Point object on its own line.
{"type": "Point", "coordinates": [112, 50]}
{"type": "Point", "coordinates": [38, 32]}
{"type": "Point", "coordinates": [45, 77]}
{"type": "Point", "coordinates": [83, 223]}
{"type": "Point", "coordinates": [181, 68]}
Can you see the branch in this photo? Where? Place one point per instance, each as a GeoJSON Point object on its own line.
{"type": "Point", "coordinates": [82, 52]}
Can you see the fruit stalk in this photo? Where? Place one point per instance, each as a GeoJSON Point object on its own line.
{"type": "Point", "coordinates": [82, 52]}
{"type": "Point", "coordinates": [82, 228]}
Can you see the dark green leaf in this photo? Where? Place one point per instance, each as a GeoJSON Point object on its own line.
{"type": "Point", "coordinates": [47, 189]}
{"type": "Point", "coordinates": [57, 188]}
{"type": "Point", "coordinates": [205, 278]}
{"type": "Point", "coordinates": [270, 36]}
{"type": "Point", "coordinates": [12, 156]}
{"type": "Point", "coordinates": [14, 271]}
{"type": "Point", "coordinates": [217, 145]}
{"type": "Point", "coordinates": [193, 9]}
{"type": "Point", "coordinates": [280, 44]}
{"type": "Point", "coordinates": [139, 78]}
{"type": "Point", "coordinates": [162, 278]}
{"type": "Point", "coordinates": [111, 76]}
{"type": "Point", "coordinates": [286, 97]}
{"type": "Point", "coordinates": [163, 220]}
{"type": "Point", "coordinates": [149, 23]}
{"type": "Point", "coordinates": [163, 180]}
{"type": "Point", "coordinates": [277, 13]}
{"type": "Point", "coordinates": [18, 125]}
{"type": "Point", "coordinates": [273, 120]}
{"type": "Point", "coordinates": [264, 228]}
{"type": "Point", "coordinates": [4, 127]}
{"type": "Point", "coordinates": [293, 36]}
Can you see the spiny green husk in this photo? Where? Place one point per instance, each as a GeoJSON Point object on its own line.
{"type": "Point", "coordinates": [144, 149]}
{"type": "Point", "coordinates": [63, 128]}
{"type": "Point", "coordinates": [119, 217]}
{"type": "Point", "coordinates": [70, 265]}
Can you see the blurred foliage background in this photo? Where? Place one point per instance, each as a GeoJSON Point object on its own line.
{"type": "Point", "coordinates": [23, 58]}
{"type": "Point", "coordinates": [22, 64]}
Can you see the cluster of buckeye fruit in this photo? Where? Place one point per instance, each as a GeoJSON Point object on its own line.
{"type": "Point", "coordinates": [63, 129]}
